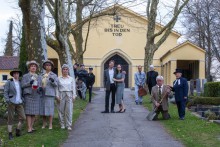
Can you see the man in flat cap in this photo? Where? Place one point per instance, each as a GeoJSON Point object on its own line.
{"type": "Point", "coordinates": [90, 81]}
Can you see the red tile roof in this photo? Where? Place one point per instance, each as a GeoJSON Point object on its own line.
{"type": "Point", "coordinates": [9, 62]}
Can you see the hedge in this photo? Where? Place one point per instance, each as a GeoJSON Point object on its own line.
{"type": "Point", "coordinates": [212, 89]}
{"type": "Point", "coordinates": [204, 101]}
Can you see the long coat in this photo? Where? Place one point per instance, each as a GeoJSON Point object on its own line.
{"type": "Point", "coordinates": [107, 81]}
{"type": "Point", "coordinates": [151, 78]}
{"type": "Point", "coordinates": [10, 91]}
{"type": "Point", "coordinates": [155, 96]}
{"type": "Point", "coordinates": [180, 87]}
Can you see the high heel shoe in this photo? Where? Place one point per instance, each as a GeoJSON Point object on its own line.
{"type": "Point", "coordinates": [124, 111]}
{"type": "Point", "coordinates": [119, 111]}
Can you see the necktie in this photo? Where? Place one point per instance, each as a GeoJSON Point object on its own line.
{"type": "Point", "coordinates": [160, 97]}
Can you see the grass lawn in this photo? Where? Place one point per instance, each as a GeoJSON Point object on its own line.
{"type": "Point", "coordinates": [192, 132]}
{"type": "Point", "coordinates": [46, 137]}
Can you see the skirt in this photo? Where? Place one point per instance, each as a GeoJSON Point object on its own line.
{"type": "Point", "coordinates": [47, 107]}
{"type": "Point", "coordinates": [32, 104]}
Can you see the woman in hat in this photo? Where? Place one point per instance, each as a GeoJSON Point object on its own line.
{"type": "Point", "coordinates": [66, 95]}
{"type": "Point", "coordinates": [13, 97]}
{"type": "Point", "coordinates": [180, 87]}
{"type": "Point", "coordinates": [49, 84]}
{"type": "Point", "coordinates": [31, 84]}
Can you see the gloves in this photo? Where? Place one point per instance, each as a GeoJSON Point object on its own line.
{"type": "Point", "coordinates": [51, 79]}
{"type": "Point", "coordinates": [40, 89]}
{"type": "Point", "coordinates": [31, 82]}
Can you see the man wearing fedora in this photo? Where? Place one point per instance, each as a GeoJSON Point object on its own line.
{"type": "Point", "coordinates": [180, 87]}
{"type": "Point", "coordinates": [14, 99]}
{"type": "Point", "coordinates": [90, 81]}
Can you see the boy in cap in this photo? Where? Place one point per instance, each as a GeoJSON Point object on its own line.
{"type": "Point", "coordinates": [14, 99]}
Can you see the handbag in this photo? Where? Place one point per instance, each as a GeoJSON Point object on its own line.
{"type": "Point", "coordinates": [142, 91]}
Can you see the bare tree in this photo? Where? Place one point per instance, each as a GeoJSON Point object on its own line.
{"type": "Point", "coordinates": [201, 21]}
{"type": "Point", "coordinates": [33, 21]}
{"type": "Point", "coordinates": [152, 45]}
{"type": "Point", "coordinates": [61, 10]}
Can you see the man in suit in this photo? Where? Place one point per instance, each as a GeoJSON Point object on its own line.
{"type": "Point", "coordinates": [14, 99]}
{"type": "Point", "coordinates": [159, 97]}
{"type": "Point", "coordinates": [180, 87]}
{"type": "Point", "coordinates": [139, 78]}
{"type": "Point", "coordinates": [110, 87]}
{"type": "Point", "coordinates": [90, 81]}
{"type": "Point", "coordinates": [151, 78]}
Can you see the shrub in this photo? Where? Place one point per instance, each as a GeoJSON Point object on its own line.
{"type": "Point", "coordinates": [3, 106]}
{"type": "Point", "coordinates": [203, 101]}
{"type": "Point", "coordinates": [212, 89]}
{"type": "Point", "coordinates": [210, 115]}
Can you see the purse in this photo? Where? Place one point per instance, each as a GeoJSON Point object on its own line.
{"type": "Point", "coordinates": [142, 91]}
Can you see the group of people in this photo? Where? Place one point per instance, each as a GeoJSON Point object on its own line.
{"type": "Point", "coordinates": [34, 94]}
{"type": "Point", "coordinates": [160, 92]}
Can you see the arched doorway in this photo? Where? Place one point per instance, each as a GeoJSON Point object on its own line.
{"type": "Point", "coordinates": [125, 66]}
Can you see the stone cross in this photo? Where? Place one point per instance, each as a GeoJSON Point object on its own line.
{"type": "Point", "coordinates": [203, 84]}
{"type": "Point", "coordinates": [117, 18]}
{"type": "Point", "coordinates": [198, 87]}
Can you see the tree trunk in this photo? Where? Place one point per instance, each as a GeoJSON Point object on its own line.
{"type": "Point", "coordinates": [149, 53]}
{"type": "Point", "coordinates": [33, 21]}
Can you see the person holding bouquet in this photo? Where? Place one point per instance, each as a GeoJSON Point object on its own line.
{"type": "Point", "coordinates": [31, 85]}
{"type": "Point", "coordinates": [49, 84]}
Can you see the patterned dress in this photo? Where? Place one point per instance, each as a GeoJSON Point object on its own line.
{"type": "Point", "coordinates": [31, 96]}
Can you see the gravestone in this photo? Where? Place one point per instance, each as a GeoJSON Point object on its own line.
{"type": "Point", "coordinates": [203, 84]}
{"type": "Point", "coordinates": [198, 87]}
{"type": "Point", "coordinates": [191, 87]}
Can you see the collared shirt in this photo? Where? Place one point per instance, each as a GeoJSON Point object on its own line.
{"type": "Point", "coordinates": [111, 75]}
{"type": "Point", "coordinates": [67, 84]}
{"type": "Point", "coordinates": [140, 78]}
{"type": "Point", "coordinates": [18, 91]}
{"type": "Point", "coordinates": [177, 81]}
{"type": "Point", "coordinates": [160, 88]}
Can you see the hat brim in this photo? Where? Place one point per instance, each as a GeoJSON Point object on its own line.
{"type": "Point", "coordinates": [12, 72]}
{"type": "Point", "coordinates": [31, 64]}
{"type": "Point", "coordinates": [177, 72]}
{"type": "Point", "coordinates": [52, 66]}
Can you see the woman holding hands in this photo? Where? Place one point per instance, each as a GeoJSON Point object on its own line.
{"type": "Point", "coordinates": [66, 95]}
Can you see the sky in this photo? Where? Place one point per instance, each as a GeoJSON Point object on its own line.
{"type": "Point", "coordinates": [9, 9]}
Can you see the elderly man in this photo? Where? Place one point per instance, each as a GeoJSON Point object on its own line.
{"type": "Point", "coordinates": [180, 87]}
{"type": "Point", "coordinates": [151, 78]}
{"type": "Point", "coordinates": [159, 97]}
{"type": "Point", "coordinates": [139, 78]}
{"type": "Point", "coordinates": [13, 96]}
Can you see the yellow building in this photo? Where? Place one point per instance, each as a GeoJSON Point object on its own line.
{"type": "Point", "coordinates": [122, 38]}
{"type": "Point", "coordinates": [7, 64]}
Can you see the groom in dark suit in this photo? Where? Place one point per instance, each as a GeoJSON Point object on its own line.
{"type": "Point", "coordinates": [110, 87]}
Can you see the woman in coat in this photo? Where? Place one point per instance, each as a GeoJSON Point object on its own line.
{"type": "Point", "coordinates": [31, 84]}
{"type": "Point", "coordinates": [49, 84]}
{"type": "Point", "coordinates": [120, 85]}
{"type": "Point", "coordinates": [66, 95]}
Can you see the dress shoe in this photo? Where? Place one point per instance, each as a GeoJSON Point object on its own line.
{"type": "Point", "coordinates": [136, 103]}
{"type": "Point", "coordinates": [105, 111]}
{"type": "Point", "coordinates": [112, 111]}
{"type": "Point", "coordinates": [18, 132]}
{"type": "Point", "coordinates": [10, 136]}
{"type": "Point", "coordinates": [181, 118]}
{"type": "Point", "coordinates": [69, 128]}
